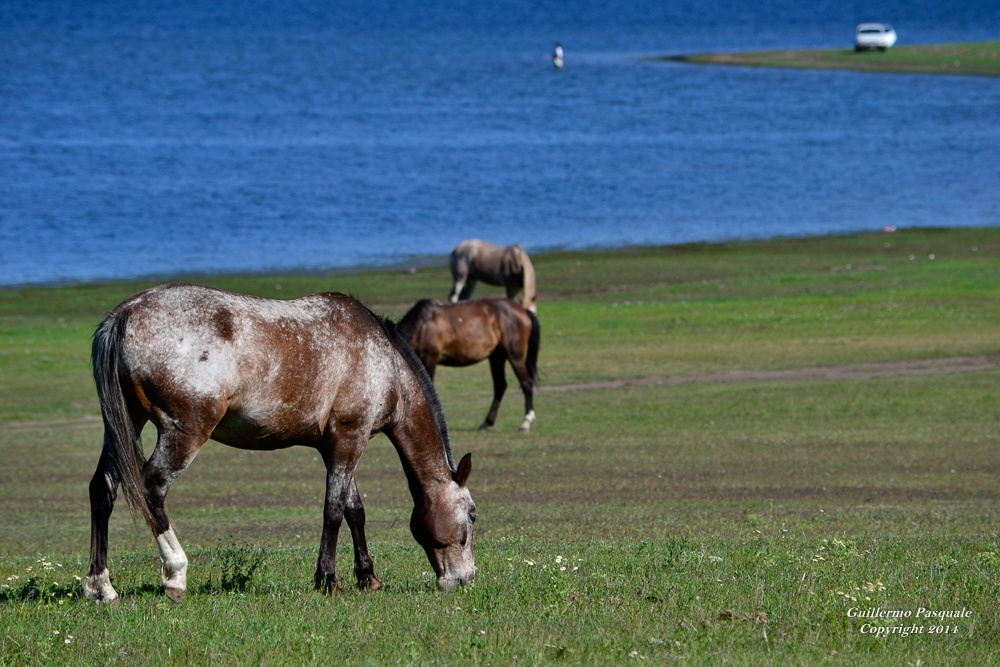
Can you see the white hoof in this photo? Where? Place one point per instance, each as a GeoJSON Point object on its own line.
{"type": "Point", "coordinates": [175, 562]}
{"type": "Point", "coordinates": [529, 419]}
{"type": "Point", "coordinates": [98, 588]}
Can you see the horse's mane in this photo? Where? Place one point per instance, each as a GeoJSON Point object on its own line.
{"type": "Point", "coordinates": [418, 313]}
{"type": "Point", "coordinates": [398, 340]}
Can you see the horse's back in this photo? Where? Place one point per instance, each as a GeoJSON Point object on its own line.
{"type": "Point", "coordinates": [469, 248]}
{"type": "Point", "coordinates": [193, 326]}
{"type": "Point", "coordinates": [252, 363]}
{"type": "Point", "coordinates": [489, 310]}
{"type": "Point", "coordinates": [477, 257]}
{"type": "Point", "coordinates": [469, 331]}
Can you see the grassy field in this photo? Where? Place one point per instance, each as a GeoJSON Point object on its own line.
{"type": "Point", "coordinates": [965, 58]}
{"type": "Point", "coordinates": [695, 491]}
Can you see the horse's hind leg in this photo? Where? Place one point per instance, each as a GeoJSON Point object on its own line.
{"type": "Point", "coordinates": [497, 359]}
{"type": "Point", "coordinates": [364, 569]}
{"type": "Point", "coordinates": [174, 452]}
{"type": "Point", "coordinates": [103, 492]}
{"type": "Point", "coordinates": [528, 388]}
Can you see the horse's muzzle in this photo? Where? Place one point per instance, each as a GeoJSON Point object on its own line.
{"type": "Point", "coordinates": [449, 583]}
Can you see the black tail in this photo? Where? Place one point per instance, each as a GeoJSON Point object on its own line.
{"type": "Point", "coordinates": [120, 437]}
{"type": "Point", "coordinates": [534, 341]}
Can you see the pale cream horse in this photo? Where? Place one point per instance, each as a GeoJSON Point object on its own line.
{"type": "Point", "coordinates": [508, 266]}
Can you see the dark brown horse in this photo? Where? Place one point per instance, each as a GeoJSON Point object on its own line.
{"type": "Point", "coordinates": [321, 371]}
{"type": "Point", "coordinates": [464, 333]}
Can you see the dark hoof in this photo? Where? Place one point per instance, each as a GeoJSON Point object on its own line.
{"type": "Point", "coordinates": [329, 585]}
{"type": "Point", "coordinates": [175, 594]}
{"type": "Point", "coordinates": [370, 584]}
{"type": "Point", "coordinates": [332, 587]}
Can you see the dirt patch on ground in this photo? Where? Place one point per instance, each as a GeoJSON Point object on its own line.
{"type": "Point", "coordinates": [87, 421]}
{"type": "Point", "coordinates": [829, 373]}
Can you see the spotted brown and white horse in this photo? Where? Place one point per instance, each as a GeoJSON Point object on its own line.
{"type": "Point", "coordinates": [465, 333]}
{"type": "Point", "coordinates": [507, 266]}
{"type": "Point", "coordinates": [321, 371]}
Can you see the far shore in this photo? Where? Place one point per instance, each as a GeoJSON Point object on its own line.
{"type": "Point", "coordinates": [963, 58]}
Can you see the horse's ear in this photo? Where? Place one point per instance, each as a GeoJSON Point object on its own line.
{"type": "Point", "coordinates": [464, 468]}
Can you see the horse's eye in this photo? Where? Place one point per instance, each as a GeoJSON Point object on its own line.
{"type": "Point", "coordinates": [472, 517]}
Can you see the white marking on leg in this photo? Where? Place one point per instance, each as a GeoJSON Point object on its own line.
{"type": "Point", "coordinates": [175, 562]}
{"type": "Point", "coordinates": [529, 419]}
{"type": "Point", "coordinates": [456, 290]}
{"type": "Point", "coordinates": [98, 587]}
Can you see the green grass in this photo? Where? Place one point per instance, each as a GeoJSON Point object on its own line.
{"type": "Point", "coordinates": [698, 522]}
{"type": "Point", "coordinates": [964, 58]}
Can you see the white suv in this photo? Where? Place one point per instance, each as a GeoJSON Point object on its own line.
{"type": "Point", "coordinates": [874, 36]}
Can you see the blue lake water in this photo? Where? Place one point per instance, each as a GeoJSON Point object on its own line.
{"type": "Point", "coordinates": [165, 138]}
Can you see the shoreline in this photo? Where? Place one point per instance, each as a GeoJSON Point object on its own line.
{"type": "Point", "coordinates": [956, 58]}
{"type": "Point", "coordinates": [416, 263]}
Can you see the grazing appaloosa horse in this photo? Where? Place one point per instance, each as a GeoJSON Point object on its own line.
{"type": "Point", "coordinates": [320, 371]}
{"type": "Point", "coordinates": [508, 266]}
{"type": "Point", "coordinates": [464, 333]}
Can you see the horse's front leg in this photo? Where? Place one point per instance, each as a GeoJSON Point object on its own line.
{"type": "Point", "coordinates": [466, 291]}
{"type": "Point", "coordinates": [514, 286]}
{"type": "Point", "coordinates": [364, 569]}
{"type": "Point", "coordinates": [341, 459]}
{"type": "Point", "coordinates": [456, 290]}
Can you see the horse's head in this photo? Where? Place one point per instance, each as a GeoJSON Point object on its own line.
{"type": "Point", "coordinates": [442, 524]}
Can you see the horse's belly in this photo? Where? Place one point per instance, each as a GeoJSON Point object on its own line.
{"type": "Point", "coordinates": [471, 347]}
{"type": "Point", "coordinates": [247, 432]}
{"type": "Point", "coordinates": [459, 360]}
